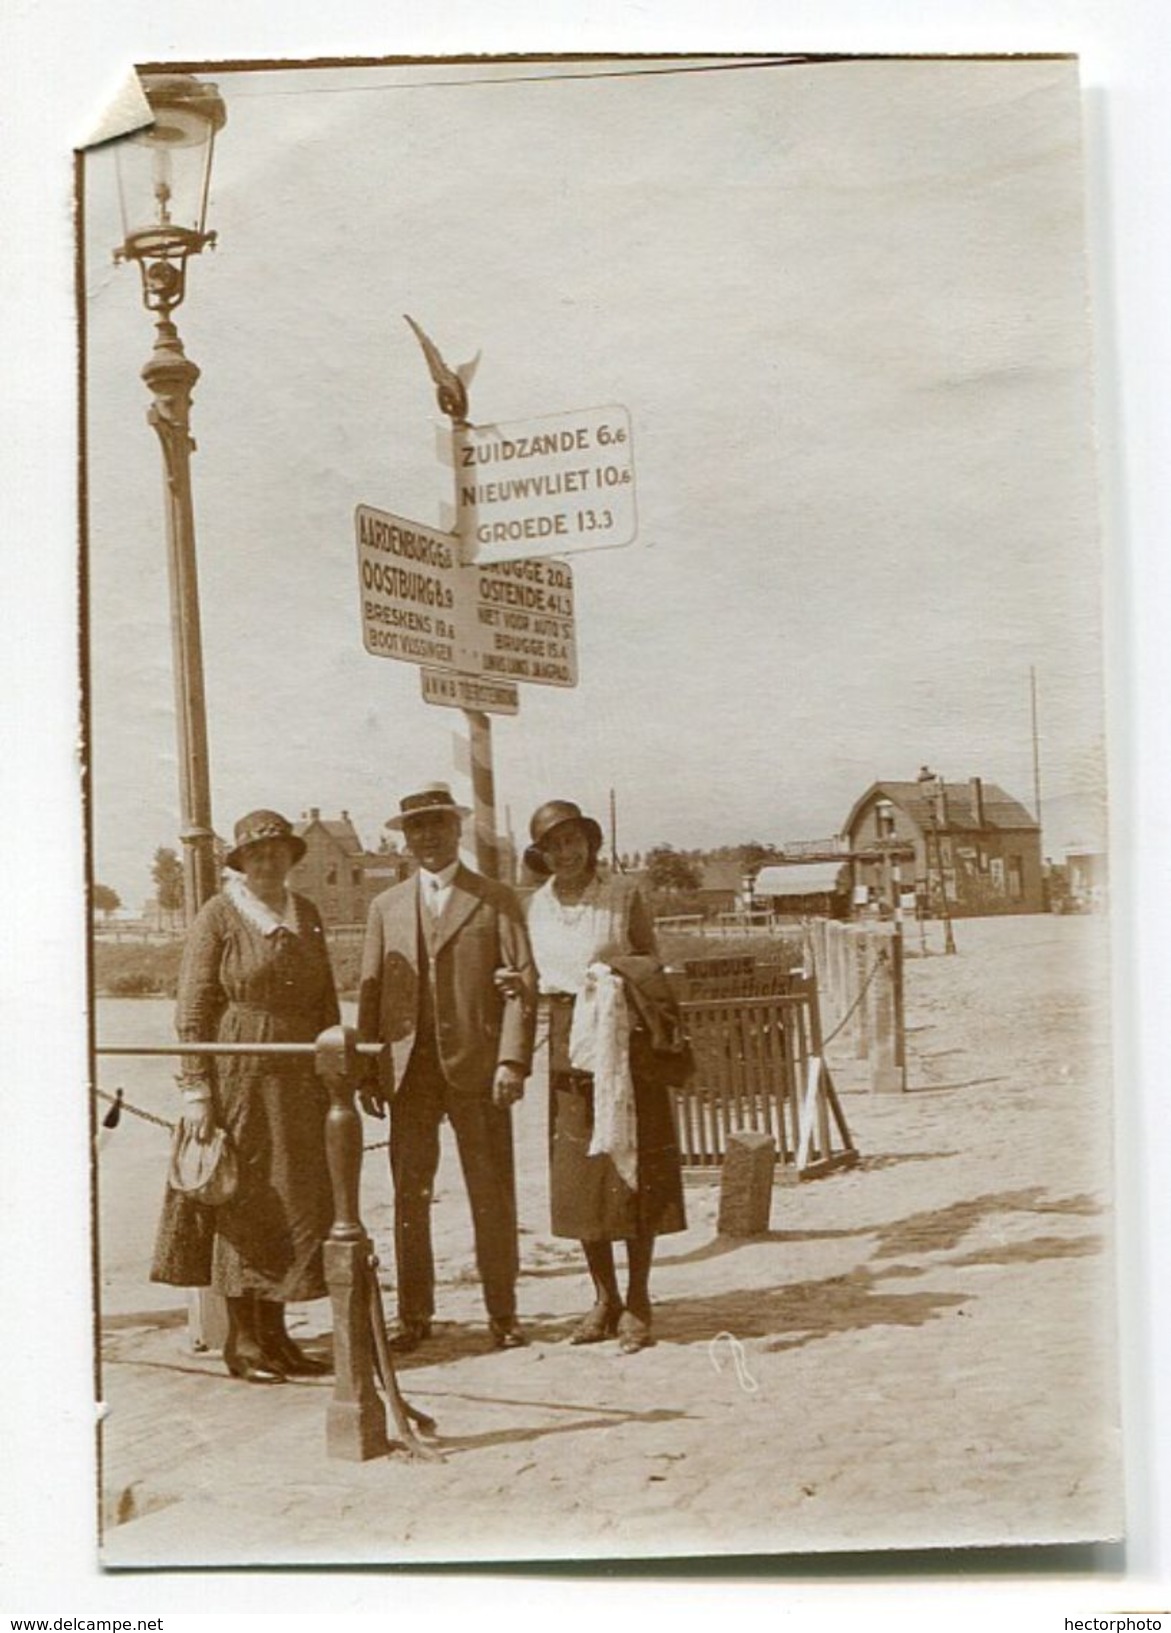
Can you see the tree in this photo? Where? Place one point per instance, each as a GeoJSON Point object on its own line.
{"type": "Point", "coordinates": [105, 900]}
{"type": "Point", "coordinates": [668, 869]}
{"type": "Point", "coordinates": [167, 873]}
{"type": "Point", "coordinates": [752, 855]}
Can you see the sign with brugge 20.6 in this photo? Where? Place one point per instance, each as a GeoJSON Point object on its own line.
{"type": "Point", "coordinates": [510, 621]}
{"type": "Point", "coordinates": [538, 488]}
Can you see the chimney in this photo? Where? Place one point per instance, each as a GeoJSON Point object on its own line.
{"type": "Point", "coordinates": [977, 795]}
{"type": "Point", "coordinates": [345, 816]}
{"type": "Point", "coordinates": [935, 790]}
{"type": "Point", "coordinates": [315, 813]}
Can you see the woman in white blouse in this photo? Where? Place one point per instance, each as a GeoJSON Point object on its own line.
{"type": "Point", "coordinates": [600, 1193]}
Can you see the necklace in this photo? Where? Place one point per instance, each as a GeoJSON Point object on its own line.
{"type": "Point", "coordinates": [571, 913]}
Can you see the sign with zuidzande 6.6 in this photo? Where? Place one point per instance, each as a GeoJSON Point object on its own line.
{"type": "Point", "coordinates": [545, 487]}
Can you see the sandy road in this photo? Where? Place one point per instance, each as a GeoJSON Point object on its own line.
{"type": "Point", "coordinates": [919, 1352]}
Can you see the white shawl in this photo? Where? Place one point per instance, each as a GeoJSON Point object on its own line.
{"type": "Point", "coordinates": [599, 1042]}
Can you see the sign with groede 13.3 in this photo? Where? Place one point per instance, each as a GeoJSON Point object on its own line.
{"type": "Point", "coordinates": [545, 487]}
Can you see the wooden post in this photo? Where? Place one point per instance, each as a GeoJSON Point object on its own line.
{"type": "Point", "coordinates": [355, 1426]}
{"type": "Point", "coordinates": [885, 1078]}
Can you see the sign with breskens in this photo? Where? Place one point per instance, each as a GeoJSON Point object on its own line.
{"type": "Point", "coordinates": [545, 487]}
{"type": "Point", "coordinates": [417, 600]}
{"type": "Point", "coordinates": [508, 622]}
{"type": "Point", "coordinates": [469, 692]}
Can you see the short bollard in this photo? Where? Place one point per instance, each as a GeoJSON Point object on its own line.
{"type": "Point", "coordinates": [356, 1420]}
{"type": "Point", "coordinates": [746, 1184]}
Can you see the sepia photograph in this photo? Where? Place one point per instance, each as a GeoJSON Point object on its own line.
{"type": "Point", "coordinates": [599, 907]}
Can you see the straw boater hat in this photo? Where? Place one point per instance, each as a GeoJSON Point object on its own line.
{"type": "Point", "coordinates": [433, 796]}
{"type": "Point", "coordinates": [555, 813]}
{"type": "Point", "coordinates": [258, 826]}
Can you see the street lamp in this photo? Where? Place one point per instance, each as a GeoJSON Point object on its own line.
{"type": "Point", "coordinates": [164, 173]}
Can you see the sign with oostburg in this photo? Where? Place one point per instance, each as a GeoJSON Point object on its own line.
{"type": "Point", "coordinates": [417, 601]}
{"type": "Point", "coordinates": [509, 622]}
{"type": "Point", "coordinates": [545, 487]}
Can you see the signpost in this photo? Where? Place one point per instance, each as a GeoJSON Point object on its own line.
{"type": "Point", "coordinates": [485, 607]}
{"type": "Point", "coordinates": [545, 487]}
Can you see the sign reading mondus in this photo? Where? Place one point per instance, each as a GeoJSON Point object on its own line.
{"type": "Point", "coordinates": [509, 622]}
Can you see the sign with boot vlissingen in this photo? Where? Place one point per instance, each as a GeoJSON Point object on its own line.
{"type": "Point", "coordinates": [508, 622]}
{"type": "Point", "coordinates": [545, 487]}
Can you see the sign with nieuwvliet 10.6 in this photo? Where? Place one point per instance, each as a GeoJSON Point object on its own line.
{"type": "Point", "coordinates": [511, 621]}
{"type": "Point", "coordinates": [544, 487]}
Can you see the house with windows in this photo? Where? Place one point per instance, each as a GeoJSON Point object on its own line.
{"type": "Point", "coordinates": [337, 873]}
{"type": "Point", "coordinates": [965, 848]}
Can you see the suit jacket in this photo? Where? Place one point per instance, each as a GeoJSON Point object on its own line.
{"type": "Point", "coordinates": [480, 930]}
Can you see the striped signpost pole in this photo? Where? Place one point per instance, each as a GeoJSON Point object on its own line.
{"type": "Point", "coordinates": [483, 792]}
{"type": "Point", "coordinates": [451, 390]}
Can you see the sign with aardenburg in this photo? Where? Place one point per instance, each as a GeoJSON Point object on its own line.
{"type": "Point", "coordinates": [512, 621]}
{"type": "Point", "coordinates": [416, 598]}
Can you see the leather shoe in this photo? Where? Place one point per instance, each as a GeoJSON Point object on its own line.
{"type": "Point", "coordinates": [294, 1362]}
{"type": "Point", "coordinates": [506, 1334]}
{"type": "Point", "coordinates": [408, 1335]}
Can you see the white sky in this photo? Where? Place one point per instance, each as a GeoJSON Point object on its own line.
{"type": "Point", "coordinates": [845, 306]}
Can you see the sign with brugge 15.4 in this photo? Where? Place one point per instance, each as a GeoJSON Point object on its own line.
{"type": "Point", "coordinates": [505, 622]}
{"type": "Point", "coordinates": [536, 488]}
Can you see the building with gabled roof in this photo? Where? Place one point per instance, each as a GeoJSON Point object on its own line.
{"type": "Point", "coordinates": [337, 873]}
{"type": "Point", "coordinates": [967, 848]}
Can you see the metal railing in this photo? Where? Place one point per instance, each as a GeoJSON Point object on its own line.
{"type": "Point", "coordinates": [356, 1424]}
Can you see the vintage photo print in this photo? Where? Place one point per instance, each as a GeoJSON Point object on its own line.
{"type": "Point", "coordinates": [597, 814]}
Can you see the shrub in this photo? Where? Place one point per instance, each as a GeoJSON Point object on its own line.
{"type": "Point", "coordinates": [136, 970]}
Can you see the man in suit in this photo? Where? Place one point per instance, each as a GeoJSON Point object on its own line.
{"type": "Point", "coordinates": [459, 1048]}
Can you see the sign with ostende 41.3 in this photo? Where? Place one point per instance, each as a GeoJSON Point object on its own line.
{"type": "Point", "coordinates": [545, 487]}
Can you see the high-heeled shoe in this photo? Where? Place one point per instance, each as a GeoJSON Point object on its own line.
{"type": "Point", "coordinates": [599, 1324]}
{"type": "Point", "coordinates": [634, 1332]}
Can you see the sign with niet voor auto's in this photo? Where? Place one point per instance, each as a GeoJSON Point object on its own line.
{"type": "Point", "coordinates": [511, 621]}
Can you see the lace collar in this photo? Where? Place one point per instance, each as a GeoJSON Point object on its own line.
{"type": "Point", "coordinates": [257, 913]}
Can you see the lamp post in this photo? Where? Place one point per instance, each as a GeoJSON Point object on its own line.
{"type": "Point", "coordinates": [163, 176]}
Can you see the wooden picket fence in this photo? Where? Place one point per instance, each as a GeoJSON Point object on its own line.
{"type": "Point", "coordinates": [759, 1068]}
{"type": "Point", "coordinates": [859, 974]}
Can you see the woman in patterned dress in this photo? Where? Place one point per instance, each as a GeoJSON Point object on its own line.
{"type": "Point", "coordinates": [576, 919]}
{"type": "Point", "coordinates": [256, 970]}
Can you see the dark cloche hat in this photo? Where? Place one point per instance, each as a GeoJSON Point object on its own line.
{"type": "Point", "coordinates": [433, 796]}
{"type": "Point", "coordinates": [554, 814]}
{"type": "Point", "coordinates": [258, 826]}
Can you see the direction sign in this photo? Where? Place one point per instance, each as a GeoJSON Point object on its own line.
{"type": "Point", "coordinates": [417, 601]}
{"type": "Point", "coordinates": [509, 622]}
{"type": "Point", "coordinates": [545, 487]}
{"type": "Point", "coordinates": [469, 692]}
{"type": "Point", "coordinates": [524, 622]}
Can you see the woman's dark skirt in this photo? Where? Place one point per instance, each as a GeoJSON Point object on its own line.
{"type": "Point", "coordinates": [589, 1200]}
